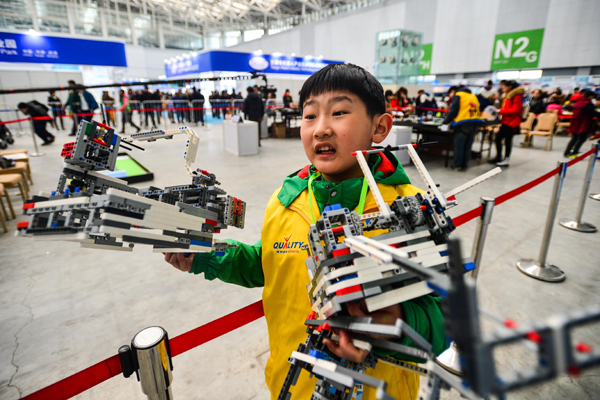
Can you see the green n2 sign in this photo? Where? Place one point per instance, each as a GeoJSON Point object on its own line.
{"type": "Point", "coordinates": [425, 59]}
{"type": "Point", "coordinates": [517, 50]}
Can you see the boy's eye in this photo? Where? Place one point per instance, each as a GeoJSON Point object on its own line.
{"type": "Point", "coordinates": [309, 116]}
{"type": "Point", "coordinates": [338, 113]}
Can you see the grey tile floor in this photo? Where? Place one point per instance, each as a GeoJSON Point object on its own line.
{"type": "Point", "coordinates": [63, 308]}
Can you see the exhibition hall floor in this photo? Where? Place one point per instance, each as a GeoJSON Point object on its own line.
{"type": "Point", "coordinates": [64, 308]}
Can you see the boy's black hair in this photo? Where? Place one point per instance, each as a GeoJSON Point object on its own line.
{"type": "Point", "coordinates": [22, 105]}
{"type": "Point", "coordinates": [587, 93]}
{"type": "Point", "coordinates": [346, 77]}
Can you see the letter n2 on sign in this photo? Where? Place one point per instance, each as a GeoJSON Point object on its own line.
{"type": "Point", "coordinates": [517, 50]}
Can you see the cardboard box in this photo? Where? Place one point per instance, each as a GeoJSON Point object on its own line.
{"type": "Point", "coordinates": [278, 130]}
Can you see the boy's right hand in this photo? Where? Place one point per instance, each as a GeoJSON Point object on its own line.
{"type": "Point", "coordinates": [180, 261]}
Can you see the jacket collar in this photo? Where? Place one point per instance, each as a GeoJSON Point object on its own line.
{"type": "Point", "coordinates": [515, 92]}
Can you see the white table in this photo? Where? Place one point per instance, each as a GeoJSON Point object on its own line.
{"type": "Point", "coordinates": [240, 139]}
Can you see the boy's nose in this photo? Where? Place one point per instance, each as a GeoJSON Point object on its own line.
{"type": "Point", "coordinates": [323, 128]}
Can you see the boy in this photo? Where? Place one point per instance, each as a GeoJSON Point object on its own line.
{"type": "Point", "coordinates": [343, 111]}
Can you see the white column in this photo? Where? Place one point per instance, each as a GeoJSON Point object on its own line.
{"type": "Point", "coordinates": [34, 18]}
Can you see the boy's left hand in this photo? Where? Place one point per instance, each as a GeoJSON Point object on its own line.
{"type": "Point", "coordinates": [345, 349]}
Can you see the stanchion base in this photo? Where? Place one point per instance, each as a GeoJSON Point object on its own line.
{"type": "Point", "coordinates": [546, 272]}
{"type": "Point", "coordinates": [578, 226]}
{"type": "Point", "coordinates": [37, 154]}
{"type": "Point", "coordinates": [595, 196]}
{"type": "Point", "coordinates": [449, 360]}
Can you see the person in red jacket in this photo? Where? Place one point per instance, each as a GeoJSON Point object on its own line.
{"type": "Point", "coordinates": [511, 112]}
{"type": "Point", "coordinates": [582, 123]}
{"type": "Point", "coordinates": [400, 99]}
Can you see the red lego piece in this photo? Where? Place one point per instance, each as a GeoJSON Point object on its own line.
{"type": "Point", "coordinates": [22, 225]}
{"type": "Point", "coordinates": [312, 315]}
{"type": "Point", "coordinates": [67, 150]}
{"type": "Point", "coordinates": [101, 125]}
{"type": "Point", "coordinates": [100, 142]}
{"type": "Point", "coordinates": [348, 290]}
{"type": "Point", "coordinates": [509, 323]}
{"type": "Point", "coordinates": [534, 337]}
{"type": "Point", "coordinates": [337, 229]}
{"type": "Point", "coordinates": [324, 327]}
{"type": "Point", "coordinates": [27, 206]}
{"type": "Point", "coordinates": [341, 252]}
{"type": "Point", "coordinates": [574, 371]}
{"type": "Point", "coordinates": [211, 222]}
{"type": "Point", "coordinates": [583, 347]}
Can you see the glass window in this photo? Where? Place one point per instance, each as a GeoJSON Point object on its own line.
{"type": "Point", "coordinates": [253, 34]}
{"type": "Point", "coordinates": [47, 25]}
{"type": "Point", "coordinates": [88, 29]}
{"type": "Point", "coordinates": [182, 41]}
{"type": "Point", "coordinates": [121, 33]}
{"type": "Point", "coordinates": [21, 23]}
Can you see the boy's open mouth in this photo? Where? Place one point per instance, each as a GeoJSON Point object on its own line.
{"type": "Point", "coordinates": [325, 150]}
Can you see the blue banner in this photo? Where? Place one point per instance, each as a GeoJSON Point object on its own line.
{"type": "Point", "coordinates": [243, 62]}
{"type": "Point", "coordinates": [34, 48]}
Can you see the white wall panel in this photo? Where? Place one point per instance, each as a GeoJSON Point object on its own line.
{"type": "Point", "coordinates": [464, 36]}
{"type": "Point", "coordinates": [572, 34]}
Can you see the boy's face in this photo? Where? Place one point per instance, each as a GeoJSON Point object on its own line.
{"type": "Point", "coordinates": [335, 124]}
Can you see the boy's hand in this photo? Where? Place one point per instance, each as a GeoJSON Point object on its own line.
{"type": "Point", "coordinates": [180, 261]}
{"type": "Point", "coordinates": [345, 349]}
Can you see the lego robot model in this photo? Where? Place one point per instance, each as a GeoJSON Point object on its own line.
{"type": "Point", "coordinates": [552, 340]}
{"type": "Point", "coordinates": [416, 224]}
{"type": "Point", "coordinates": [100, 211]}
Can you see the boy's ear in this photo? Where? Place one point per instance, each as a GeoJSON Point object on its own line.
{"type": "Point", "coordinates": [383, 125]}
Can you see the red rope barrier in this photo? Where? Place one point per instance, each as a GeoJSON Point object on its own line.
{"type": "Point", "coordinates": [98, 373]}
{"type": "Point", "coordinates": [104, 370]}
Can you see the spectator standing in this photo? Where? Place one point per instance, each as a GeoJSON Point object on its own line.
{"type": "Point", "coordinates": [465, 117]}
{"type": "Point", "coordinates": [157, 104]}
{"type": "Point", "coordinates": [38, 110]}
{"type": "Point", "coordinates": [198, 105]}
{"type": "Point", "coordinates": [126, 110]}
{"type": "Point", "coordinates": [147, 107]}
{"type": "Point", "coordinates": [511, 112]}
{"type": "Point", "coordinates": [57, 109]}
{"type": "Point", "coordinates": [582, 123]}
{"type": "Point", "coordinates": [287, 99]}
{"type": "Point", "coordinates": [83, 104]}
{"type": "Point", "coordinates": [109, 104]}
{"type": "Point", "coordinates": [254, 108]}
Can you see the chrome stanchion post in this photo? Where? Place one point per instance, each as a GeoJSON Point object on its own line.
{"type": "Point", "coordinates": [540, 269]}
{"type": "Point", "coordinates": [150, 358]}
{"type": "Point", "coordinates": [576, 224]}
{"type": "Point", "coordinates": [488, 204]}
{"type": "Point", "coordinates": [36, 153]}
{"type": "Point", "coordinates": [450, 359]}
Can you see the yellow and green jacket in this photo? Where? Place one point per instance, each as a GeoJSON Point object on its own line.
{"type": "Point", "coordinates": [277, 263]}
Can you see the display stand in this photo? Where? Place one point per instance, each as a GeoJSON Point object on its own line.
{"type": "Point", "coordinates": [240, 139]}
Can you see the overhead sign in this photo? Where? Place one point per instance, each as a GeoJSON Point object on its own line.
{"type": "Point", "coordinates": [517, 50]}
{"type": "Point", "coordinates": [425, 60]}
{"type": "Point", "coordinates": [33, 48]}
{"type": "Point", "coordinates": [243, 62]}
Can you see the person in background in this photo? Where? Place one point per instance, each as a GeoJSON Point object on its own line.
{"type": "Point", "coordinates": [537, 105]}
{"type": "Point", "coordinates": [126, 110]}
{"type": "Point", "coordinates": [254, 108]}
{"type": "Point", "coordinates": [109, 106]}
{"type": "Point", "coordinates": [214, 106]}
{"type": "Point", "coordinates": [157, 104]}
{"type": "Point", "coordinates": [170, 106]}
{"type": "Point", "coordinates": [388, 101]}
{"type": "Point", "coordinates": [146, 96]}
{"type": "Point", "coordinates": [575, 92]}
{"type": "Point", "coordinates": [83, 104]}
{"type": "Point", "coordinates": [511, 111]}
{"type": "Point", "coordinates": [557, 97]}
{"type": "Point", "coordinates": [484, 95]}
{"type": "Point", "coordinates": [197, 104]}
{"type": "Point", "coordinates": [35, 109]}
{"type": "Point", "coordinates": [426, 103]}
{"type": "Point", "coordinates": [400, 99]}
{"type": "Point", "coordinates": [582, 123]}
{"type": "Point", "coordinates": [287, 99]}
{"type": "Point", "coordinates": [57, 109]}
{"type": "Point", "coordinates": [256, 89]}
{"type": "Point", "coordinates": [465, 117]}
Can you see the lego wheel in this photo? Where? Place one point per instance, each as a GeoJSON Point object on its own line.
{"type": "Point", "coordinates": [3, 145]}
{"type": "Point", "coordinates": [10, 140]}
{"type": "Point", "coordinates": [415, 213]}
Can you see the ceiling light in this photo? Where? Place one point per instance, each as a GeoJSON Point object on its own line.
{"type": "Point", "coordinates": [293, 54]}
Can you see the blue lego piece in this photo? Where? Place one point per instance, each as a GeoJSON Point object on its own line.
{"type": "Point", "coordinates": [438, 290]}
{"type": "Point", "coordinates": [332, 390]}
{"type": "Point", "coordinates": [55, 224]}
{"type": "Point", "coordinates": [343, 278]}
{"type": "Point", "coordinates": [327, 208]}
{"type": "Point", "coordinates": [187, 254]}
{"type": "Point", "coordinates": [77, 189]}
{"type": "Point", "coordinates": [443, 253]}
{"type": "Point", "coordinates": [114, 141]}
{"type": "Point", "coordinates": [219, 253]}
{"type": "Point", "coordinates": [67, 191]}
{"type": "Point", "coordinates": [199, 243]}
{"type": "Point", "coordinates": [469, 266]}
{"type": "Point", "coordinates": [316, 354]}
{"type": "Point", "coordinates": [53, 193]}
{"type": "Point", "coordinates": [336, 207]}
